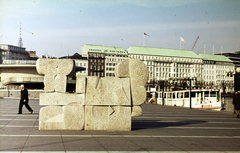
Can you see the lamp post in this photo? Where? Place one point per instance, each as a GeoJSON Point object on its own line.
{"type": "Point", "coordinates": [190, 78]}
{"type": "Point", "coordinates": [236, 74]}
{"type": "Point", "coordinates": [163, 80]}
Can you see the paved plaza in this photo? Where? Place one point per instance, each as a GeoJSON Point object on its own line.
{"type": "Point", "coordinates": [160, 129]}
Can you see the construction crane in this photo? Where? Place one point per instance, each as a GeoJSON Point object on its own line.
{"type": "Point", "coordinates": [195, 43]}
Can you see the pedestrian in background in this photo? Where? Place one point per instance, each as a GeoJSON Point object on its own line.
{"type": "Point", "coordinates": [24, 100]}
{"type": "Point", "coordinates": [236, 103]}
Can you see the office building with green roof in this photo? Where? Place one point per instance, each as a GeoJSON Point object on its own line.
{"type": "Point", "coordinates": [208, 71]}
{"type": "Point", "coordinates": [218, 72]}
{"type": "Point", "coordinates": [165, 64]}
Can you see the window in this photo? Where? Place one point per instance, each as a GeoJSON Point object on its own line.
{"type": "Point", "coordinates": [213, 94]}
{"type": "Point", "coordinates": [186, 95]}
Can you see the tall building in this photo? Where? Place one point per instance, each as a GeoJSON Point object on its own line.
{"type": "Point", "coordinates": [233, 56]}
{"type": "Point", "coordinates": [10, 52]}
{"type": "Point", "coordinates": [216, 70]}
{"type": "Point", "coordinates": [167, 64]}
{"type": "Point", "coordinates": [103, 59]}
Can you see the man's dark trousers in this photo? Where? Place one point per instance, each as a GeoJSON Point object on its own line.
{"type": "Point", "coordinates": [21, 105]}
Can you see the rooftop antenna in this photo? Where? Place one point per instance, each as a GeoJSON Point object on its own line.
{"type": "Point", "coordinates": [221, 50]}
{"type": "Point", "coordinates": [204, 48]}
{"type": "Point", "coordinates": [68, 52]}
{"type": "Point", "coordinates": [20, 44]}
{"type": "Point", "coordinates": [213, 49]}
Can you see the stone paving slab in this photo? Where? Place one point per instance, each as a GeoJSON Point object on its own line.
{"type": "Point", "coordinates": [160, 129]}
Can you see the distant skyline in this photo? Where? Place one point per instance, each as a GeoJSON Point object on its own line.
{"type": "Point", "coordinates": [60, 27]}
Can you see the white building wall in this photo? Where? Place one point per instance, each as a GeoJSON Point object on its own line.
{"type": "Point", "coordinates": [82, 63]}
{"type": "Point", "coordinates": [111, 62]}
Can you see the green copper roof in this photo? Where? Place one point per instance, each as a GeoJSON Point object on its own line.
{"type": "Point", "coordinates": [105, 49]}
{"type": "Point", "coordinates": [219, 58]}
{"type": "Point", "coordinates": [162, 52]}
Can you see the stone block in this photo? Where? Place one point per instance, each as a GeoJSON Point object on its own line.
{"type": "Point", "coordinates": [74, 116]}
{"type": "Point", "coordinates": [108, 91]}
{"type": "Point", "coordinates": [57, 83]}
{"type": "Point", "coordinates": [51, 118]}
{"type": "Point", "coordinates": [55, 71]}
{"type": "Point", "coordinates": [122, 69]}
{"type": "Point", "coordinates": [138, 95]}
{"type": "Point", "coordinates": [61, 98]}
{"type": "Point", "coordinates": [81, 84]}
{"type": "Point", "coordinates": [111, 118]}
{"type": "Point", "coordinates": [70, 117]}
{"type": "Point", "coordinates": [55, 66]}
{"type": "Point", "coordinates": [49, 84]}
{"type": "Point", "coordinates": [137, 111]}
{"type": "Point", "coordinates": [138, 72]}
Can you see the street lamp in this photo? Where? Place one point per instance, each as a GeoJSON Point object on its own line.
{"type": "Point", "coordinates": [163, 80]}
{"type": "Point", "coordinates": [236, 74]}
{"type": "Point", "coordinates": [190, 78]}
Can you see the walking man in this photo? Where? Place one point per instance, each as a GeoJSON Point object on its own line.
{"type": "Point", "coordinates": [24, 100]}
{"type": "Point", "coordinates": [236, 103]}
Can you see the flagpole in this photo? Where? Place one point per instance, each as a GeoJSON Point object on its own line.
{"type": "Point", "coordinates": [143, 41]}
{"type": "Point", "coordinates": [180, 43]}
{"type": "Point", "coordinates": [204, 49]}
{"type": "Point", "coordinates": [213, 49]}
{"type": "Point", "coordinates": [221, 50]}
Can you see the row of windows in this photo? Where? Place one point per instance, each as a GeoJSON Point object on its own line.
{"type": "Point", "coordinates": [96, 50]}
{"type": "Point", "coordinates": [110, 74]}
{"type": "Point", "coordinates": [97, 55]}
{"type": "Point", "coordinates": [208, 77]}
{"type": "Point", "coordinates": [15, 48]}
{"type": "Point", "coordinates": [96, 67]}
{"type": "Point", "coordinates": [100, 74]}
{"type": "Point", "coordinates": [165, 58]}
{"type": "Point", "coordinates": [111, 64]}
{"type": "Point", "coordinates": [97, 60]}
{"type": "Point", "coordinates": [16, 58]}
{"type": "Point", "coordinates": [166, 75]}
{"type": "Point", "coordinates": [171, 64]}
{"type": "Point", "coordinates": [115, 59]}
{"type": "Point", "coordinates": [83, 71]}
{"type": "Point", "coordinates": [81, 64]}
{"type": "Point", "coordinates": [115, 55]}
{"type": "Point", "coordinates": [174, 70]}
{"type": "Point", "coordinates": [110, 69]}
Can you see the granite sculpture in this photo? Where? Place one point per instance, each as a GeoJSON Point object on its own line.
{"type": "Point", "coordinates": [99, 103]}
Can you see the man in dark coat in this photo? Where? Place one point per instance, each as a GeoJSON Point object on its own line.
{"type": "Point", "coordinates": [24, 100]}
{"type": "Point", "coordinates": [236, 103]}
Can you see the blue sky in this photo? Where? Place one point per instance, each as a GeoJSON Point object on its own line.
{"type": "Point", "coordinates": [57, 27]}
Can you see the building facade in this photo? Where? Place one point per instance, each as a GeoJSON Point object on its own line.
{"type": "Point", "coordinates": [10, 52]}
{"type": "Point", "coordinates": [218, 72]}
{"type": "Point", "coordinates": [103, 59]}
{"type": "Point", "coordinates": [168, 65]}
